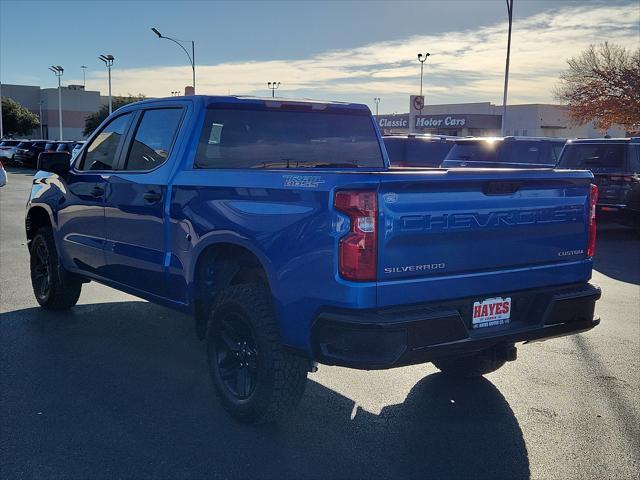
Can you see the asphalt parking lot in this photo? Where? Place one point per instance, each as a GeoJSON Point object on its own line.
{"type": "Point", "coordinates": [119, 388]}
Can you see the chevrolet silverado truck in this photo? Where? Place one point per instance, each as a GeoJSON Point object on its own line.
{"type": "Point", "coordinates": [279, 226]}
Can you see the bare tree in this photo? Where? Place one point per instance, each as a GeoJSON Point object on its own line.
{"type": "Point", "coordinates": [603, 84]}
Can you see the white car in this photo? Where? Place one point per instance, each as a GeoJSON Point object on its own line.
{"type": "Point", "coordinates": [3, 176]}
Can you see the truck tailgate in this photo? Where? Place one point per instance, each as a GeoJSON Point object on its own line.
{"type": "Point", "coordinates": [468, 222]}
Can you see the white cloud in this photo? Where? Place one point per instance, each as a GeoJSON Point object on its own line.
{"type": "Point", "coordinates": [464, 66]}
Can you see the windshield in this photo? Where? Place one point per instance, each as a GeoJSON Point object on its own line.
{"type": "Point", "coordinates": [593, 156]}
{"type": "Point", "coordinates": [235, 138]}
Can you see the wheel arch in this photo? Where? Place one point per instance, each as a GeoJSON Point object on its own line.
{"type": "Point", "coordinates": [38, 216]}
{"type": "Point", "coordinates": [218, 265]}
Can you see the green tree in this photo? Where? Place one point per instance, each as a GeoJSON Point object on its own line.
{"type": "Point", "coordinates": [603, 84]}
{"type": "Point", "coordinates": [95, 119]}
{"type": "Point", "coordinates": [17, 120]}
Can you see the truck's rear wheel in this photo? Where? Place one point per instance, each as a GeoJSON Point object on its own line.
{"type": "Point", "coordinates": [476, 365]}
{"type": "Point", "coordinates": [257, 381]}
{"type": "Point", "coordinates": [54, 287]}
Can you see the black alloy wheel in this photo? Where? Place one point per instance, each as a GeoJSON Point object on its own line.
{"type": "Point", "coordinates": [237, 356]}
{"type": "Point", "coordinates": [41, 271]}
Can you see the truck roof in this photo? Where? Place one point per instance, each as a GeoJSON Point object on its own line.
{"type": "Point", "coordinates": [276, 102]}
{"type": "Point", "coordinates": [605, 140]}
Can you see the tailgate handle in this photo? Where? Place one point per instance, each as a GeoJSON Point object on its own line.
{"type": "Point", "coordinates": [501, 188]}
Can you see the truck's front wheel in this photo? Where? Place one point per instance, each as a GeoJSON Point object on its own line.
{"type": "Point", "coordinates": [256, 379]}
{"type": "Point", "coordinates": [53, 286]}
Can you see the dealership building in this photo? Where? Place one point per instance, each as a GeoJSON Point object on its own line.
{"type": "Point", "coordinates": [77, 104]}
{"type": "Point", "coordinates": [485, 120]}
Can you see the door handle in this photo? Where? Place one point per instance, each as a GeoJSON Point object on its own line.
{"type": "Point", "coordinates": [152, 196]}
{"type": "Point", "coordinates": [97, 191]}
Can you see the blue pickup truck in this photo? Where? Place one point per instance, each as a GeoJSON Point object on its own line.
{"type": "Point", "coordinates": [279, 226]}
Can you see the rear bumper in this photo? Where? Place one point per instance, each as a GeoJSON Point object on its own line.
{"type": "Point", "coordinates": [616, 212]}
{"type": "Point", "coordinates": [393, 337]}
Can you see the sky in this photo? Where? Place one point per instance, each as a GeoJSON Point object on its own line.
{"type": "Point", "coordinates": [350, 51]}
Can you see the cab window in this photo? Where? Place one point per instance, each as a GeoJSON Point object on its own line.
{"type": "Point", "coordinates": [153, 139]}
{"type": "Point", "coordinates": [101, 152]}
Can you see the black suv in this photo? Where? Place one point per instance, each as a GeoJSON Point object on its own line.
{"type": "Point", "coordinates": [417, 150]}
{"type": "Point", "coordinates": [615, 164]}
{"type": "Point", "coordinates": [507, 152]}
{"type": "Point", "coordinates": [27, 152]}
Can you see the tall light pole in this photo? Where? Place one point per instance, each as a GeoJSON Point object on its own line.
{"type": "Point", "coordinates": [58, 71]}
{"type": "Point", "coordinates": [422, 58]}
{"type": "Point", "coordinates": [506, 68]}
{"type": "Point", "coordinates": [192, 57]}
{"type": "Point", "coordinates": [1, 127]}
{"type": "Point", "coordinates": [377, 100]}
{"type": "Point", "coordinates": [108, 61]}
{"type": "Point", "coordinates": [84, 76]}
{"type": "Point", "coordinates": [273, 86]}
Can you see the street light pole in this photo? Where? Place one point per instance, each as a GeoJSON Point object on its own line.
{"type": "Point", "coordinates": [273, 86]}
{"type": "Point", "coordinates": [108, 61]}
{"type": "Point", "coordinates": [84, 76]}
{"type": "Point", "coordinates": [192, 57]}
{"type": "Point", "coordinates": [1, 126]}
{"type": "Point", "coordinates": [377, 100]}
{"type": "Point", "coordinates": [506, 68]}
{"type": "Point", "coordinates": [58, 71]}
{"type": "Point", "coordinates": [422, 58]}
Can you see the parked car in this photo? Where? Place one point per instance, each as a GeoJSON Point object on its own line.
{"type": "Point", "coordinates": [27, 152]}
{"type": "Point", "coordinates": [281, 229]}
{"type": "Point", "coordinates": [417, 150]}
{"type": "Point", "coordinates": [615, 163]}
{"type": "Point", "coordinates": [65, 147]}
{"type": "Point", "coordinates": [3, 176]}
{"type": "Point", "coordinates": [507, 152]}
{"type": "Point", "coordinates": [8, 150]}
{"type": "Point", "coordinates": [77, 146]}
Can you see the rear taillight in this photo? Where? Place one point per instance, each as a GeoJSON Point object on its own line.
{"type": "Point", "coordinates": [593, 199]}
{"type": "Point", "coordinates": [358, 250]}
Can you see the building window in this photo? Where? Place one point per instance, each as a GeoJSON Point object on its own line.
{"type": "Point", "coordinates": [524, 132]}
{"type": "Point", "coordinates": [515, 132]}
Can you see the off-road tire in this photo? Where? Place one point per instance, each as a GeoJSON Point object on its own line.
{"type": "Point", "coordinates": [63, 288]}
{"type": "Point", "coordinates": [280, 377]}
{"type": "Point", "coordinates": [470, 366]}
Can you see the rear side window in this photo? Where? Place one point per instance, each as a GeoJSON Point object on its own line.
{"type": "Point", "coordinates": [594, 156]}
{"type": "Point", "coordinates": [24, 144]}
{"type": "Point", "coordinates": [556, 149]}
{"type": "Point", "coordinates": [395, 150]}
{"type": "Point", "coordinates": [635, 158]}
{"type": "Point", "coordinates": [102, 151]}
{"type": "Point", "coordinates": [235, 138]}
{"type": "Point", "coordinates": [153, 139]}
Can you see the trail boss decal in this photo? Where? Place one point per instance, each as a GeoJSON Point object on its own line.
{"type": "Point", "coordinates": [491, 312]}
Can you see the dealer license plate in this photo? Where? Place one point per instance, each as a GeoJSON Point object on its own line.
{"type": "Point", "coordinates": [491, 312]}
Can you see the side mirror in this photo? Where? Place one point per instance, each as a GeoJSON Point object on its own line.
{"type": "Point", "coordinates": [54, 162]}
